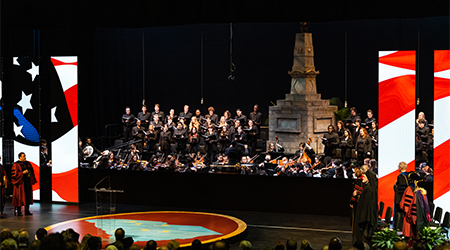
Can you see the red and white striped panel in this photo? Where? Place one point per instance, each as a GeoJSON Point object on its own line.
{"type": "Point", "coordinates": [65, 149]}
{"type": "Point", "coordinates": [397, 93]}
{"type": "Point", "coordinates": [442, 129]}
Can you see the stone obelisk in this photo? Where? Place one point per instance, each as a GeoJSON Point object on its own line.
{"type": "Point", "coordinates": [303, 114]}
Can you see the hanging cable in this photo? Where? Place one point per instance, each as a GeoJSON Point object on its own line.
{"type": "Point", "coordinates": [232, 66]}
{"type": "Point", "coordinates": [201, 69]}
{"type": "Point", "coordinates": [345, 70]}
{"type": "Point", "coordinates": [143, 69]}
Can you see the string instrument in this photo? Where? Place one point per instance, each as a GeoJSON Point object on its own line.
{"type": "Point", "coordinates": [253, 159]}
{"type": "Point", "coordinates": [304, 155]}
{"type": "Point", "coordinates": [275, 161]}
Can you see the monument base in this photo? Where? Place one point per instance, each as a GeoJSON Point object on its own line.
{"type": "Point", "coordinates": [298, 118]}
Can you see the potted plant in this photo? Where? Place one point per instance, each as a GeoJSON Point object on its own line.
{"type": "Point", "coordinates": [430, 237]}
{"type": "Point", "coordinates": [385, 238]}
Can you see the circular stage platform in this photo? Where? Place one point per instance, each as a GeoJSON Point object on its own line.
{"type": "Point", "coordinates": [161, 226]}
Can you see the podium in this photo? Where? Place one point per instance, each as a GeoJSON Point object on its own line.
{"type": "Point", "coordinates": [101, 194]}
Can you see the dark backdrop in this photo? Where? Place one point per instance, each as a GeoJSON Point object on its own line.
{"type": "Point", "coordinates": [111, 63]}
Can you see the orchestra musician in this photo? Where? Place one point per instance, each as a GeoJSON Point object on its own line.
{"type": "Point", "coordinates": [281, 168]}
{"type": "Point", "coordinates": [240, 137]}
{"type": "Point", "coordinates": [158, 112]}
{"type": "Point", "coordinates": [331, 141]}
{"type": "Point", "coordinates": [128, 121]}
{"type": "Point", "coordinates": [90, 149]}
{"type": "Point", "coordinates": [304, 148]}
{"type": "Point", "coordinates": [144, 116]}
{"type": "Point", "coordinates": [304, 168]}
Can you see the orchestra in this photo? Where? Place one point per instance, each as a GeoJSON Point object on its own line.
{"type": "Point", "coordinates": [208, 143]}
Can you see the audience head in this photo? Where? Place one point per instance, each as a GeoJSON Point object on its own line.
{"type": "Point", "coordinates": [335, 244]}
{"type": "Point", "coordinates": [245, 245]}
{"type": "Point", "coordinates": [151, 245]}
{"type": "Point", "coordinates": [359, 245]}
{"type": "Point", "coordinates": [71, 245]}
{"type": "Point", "coordinates": [163, 248]}
{"type": "Point", "coordinates": [111, 247]}
{"type": "Point", "coordinates": [70, 235]}
{"type": "Point", "coordinates": [84, 241]}
{"type": "Point", "coordinates": [291, 244]}
{"type": "Point", "coordinates": [119, 234]}
{"type": "Point", "coordinates": [196, 245]}
{"type": "Point", "coordinates": [53, 241]}
{"type": "Point", "coordinates": [23, 239]}
{"type": "Point", "coordinates": [94, 243]}
{"type": "Point", "coordinates": [279, 245]}
{"type": "Point", "coordinates": [402, 166]}
{"type": "Point", "coordinates": [305, 244]}
{"type": "Point", "coordinates": [9, 244]}
{"type": "Point", "coordinates": [135, 247]}
{"type": "Point", "coordinates": [173, 245]}
{"type": "Point", "coordinates": [220, 245]}
{"type": "Point", "coordinates": [5, 234]}
{"type": "Point", "coordinates": [34, 245]}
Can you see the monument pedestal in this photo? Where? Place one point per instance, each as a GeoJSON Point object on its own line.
{"type": "Point", "coordinates": [303, 114]}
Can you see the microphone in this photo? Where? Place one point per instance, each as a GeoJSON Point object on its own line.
{"type": "Point", "coordinates": [95, 187]}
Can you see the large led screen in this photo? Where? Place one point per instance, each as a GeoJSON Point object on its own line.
{"type": "Point", "coordinates": [397, 93]}
{"type": "Point", "coordinates": [64, 124]}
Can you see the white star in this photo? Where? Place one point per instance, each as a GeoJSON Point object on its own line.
{"type": "Point", "coordinates": [34, 71]}
{"type": "Point", "coordinates": [18, 130]}
{"type": "Point", "coordinates": [15, 62]}
{"type": "Point", "coordinates": [25, 102]}
{"type": "Point", "coordinates": [53, 115]}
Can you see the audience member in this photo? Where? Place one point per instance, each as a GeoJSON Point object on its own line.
{"type": "Point", "coordinates": [196, 245]}
{"type": "Point", "coordinates": [151, 245]}
{"type": "Point", "coordinates": [245, 245]}
{"type": "Point", "coordinates": [40, 233]}
{"type": "Point", "coordinates": [9, 244]}
{"type": "Point", "coordinates": [335, 244]}
{"type": "Point", "coordinates": [173, 245]}
{"type": "Point", "coordinates": [53, 241]}
{"type": "Point", "coordinates": [34, 245]}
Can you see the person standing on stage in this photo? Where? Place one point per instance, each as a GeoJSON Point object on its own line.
{"type": "Point", "coordinates": [144, 116]}
{"type": "Point", "coordinates": [255, 116]}
{"type": "Point", "coordinates": [23, 179]}
{"type": "Point", "coordinates": [3, 186]}
{"type": "Point", "coordinates": [127, 123]}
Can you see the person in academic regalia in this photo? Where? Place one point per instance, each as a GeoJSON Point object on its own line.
{"type": "Point", "coordinates": [3, 185]}
{"type": "Point", "coordinates": [366, 215]}
{"type": "Point", "coordinates": [23, 179]}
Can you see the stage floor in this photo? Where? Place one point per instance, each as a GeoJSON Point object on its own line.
{"type": "Point", "coordinates": [263, 229]}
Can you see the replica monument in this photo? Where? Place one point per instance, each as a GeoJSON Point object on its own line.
{"type": "Point", "coordinates": [303, 114]}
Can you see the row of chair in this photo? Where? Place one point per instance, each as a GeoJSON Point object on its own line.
{"type": "Point", "coordinates": [435, 214]}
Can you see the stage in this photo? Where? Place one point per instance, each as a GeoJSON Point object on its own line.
{"type": "Point", "coordinates": [260, 228]}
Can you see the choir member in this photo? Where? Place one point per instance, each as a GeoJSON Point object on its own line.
{"type": "Point", "coordinates": [370, 119]}
{"type": "Point", "coordinates": [158, 112]}
{"type": "Point", "coordinates": [363, 146]}
{"type": "Point", "coordinates": [239, 116]}
{"type": "Point", "coordinates": [144, 116]}
{"type": "Point", "coordinates": [186, 115]}
{"type": "Point", "coordinates": [346, 145]}
{"type": "Point", "coordinates": [331, 141]}
{"type": "Point", "coordinates": [255, 116]}
{"type": "Point", "coordinates": [214, 117]}
{"type": "Point", "coordinates": [127, 123]}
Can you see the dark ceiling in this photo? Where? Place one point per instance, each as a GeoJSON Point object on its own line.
{"type": "Point", "coordinates": [41, 14]}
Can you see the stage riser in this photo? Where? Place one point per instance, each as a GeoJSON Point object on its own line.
{"type": "Point", "coordinates": [224, 192]}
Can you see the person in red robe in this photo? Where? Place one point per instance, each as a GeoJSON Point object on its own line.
{"type": "Point", "coordinates": [3, 183]}
{"type": "Point", "coordinates": [23, 179]}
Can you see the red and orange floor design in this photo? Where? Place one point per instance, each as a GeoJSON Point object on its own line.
{"type": "Point", "coordinates": [161, 226]}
